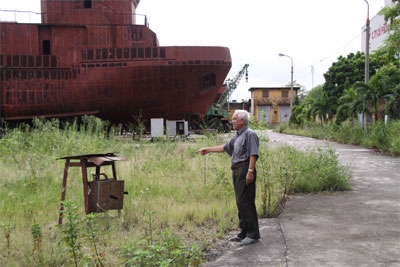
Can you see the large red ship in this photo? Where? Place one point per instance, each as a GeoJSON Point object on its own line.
{"type": "Point", "coordinates": [93, 57]}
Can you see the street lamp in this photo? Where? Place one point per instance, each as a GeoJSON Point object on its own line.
{"type": "Point", "coordinates": [291, 81]}
{"type": "Point", "coordinates": [367, 29]}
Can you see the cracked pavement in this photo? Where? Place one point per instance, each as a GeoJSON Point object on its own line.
{"type": "Point", "coordinates": [360, 227]}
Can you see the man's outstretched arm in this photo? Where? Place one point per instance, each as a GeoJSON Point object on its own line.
{"type": "Point", "coordinates": [213, 149]}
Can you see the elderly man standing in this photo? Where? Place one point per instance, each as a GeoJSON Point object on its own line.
{"type": "Point", "coordinates": [243, 149]}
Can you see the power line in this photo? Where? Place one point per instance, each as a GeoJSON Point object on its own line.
{"type": "Point", "coordinates": [352, 40]}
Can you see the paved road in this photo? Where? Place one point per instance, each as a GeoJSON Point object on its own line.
{"type": "Point", "coordinates": [360, 227]}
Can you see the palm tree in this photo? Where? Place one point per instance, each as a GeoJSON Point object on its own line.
{"type": "Point", "coordinates": [345, 109]}
{"type": "Point", "coordinates": [367, 99]}
{"type": "Point", "coordinates": [393, 103]}
{"type": "Point", "coordinates": [387, 81]}
{"type": "Point", "coordinates": [320, 108]}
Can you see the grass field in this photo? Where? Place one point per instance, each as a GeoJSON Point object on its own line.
{"type": "Point", "coordinates": [178, 203]}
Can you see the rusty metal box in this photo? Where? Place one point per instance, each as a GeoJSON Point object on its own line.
{"type": "Point", "coordinates": [106, 195]}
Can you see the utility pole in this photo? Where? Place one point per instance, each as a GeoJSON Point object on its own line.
{"type": "Point", "coordinates": [366, 74]}
{"type": "Point", "coordinates": [291, 82]}
{"type": "Point", "coordinates": [367, 29]}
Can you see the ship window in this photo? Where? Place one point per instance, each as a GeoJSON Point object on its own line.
{"type": "Point", "coordinates": [31, 74]}
{"type": "Point", "coordinates": [148, 52]}
{"type": "Point", "coordinates": [15, 61]}
{"type": "Point", "coordinates": [119, 53]}
{"type": "Point", "coordinates": [53, 61]}
{"type": "Point", "coordinates": [38, 61]}
{"type": "Point", "coordinates": [15, 74]}
{"type": "Point", "coordinates": [88, 3]}
{"type": "Point", "coordinates": [90, 54]}
{"type": "Point", "coordinates": [38, 97]}
{"type": "Point", "coordinates": [46, 61]}
{"type": "Point", "coordinates": [111, 54]}
{"type": "Point", "coordinates": [7, 74]}
{"type": "Point", "coordinates": [31, 61]}
{"type": "Point", "coordinates": [23, 61]}
{"type": "Point", "coordinates": [126, 52]}
{"type": "Point", "coordinates": [162, 52]}
{"type": "Point", "coordinates": [140, 52]}
{"type": "Point", "coordinates": [75, 73]}
{"type": "Point", "coordinates": [133, 52]}
{"type": "Point", "coordinates": [98, 54]}
{"type": "Point", "coordinates": [155, 52]}
{"type": "Point", "coordinates": [31, 97]}
{"type": "Point", "coordinates": [46, 47]}
{"type": "Point", "coordinates": [104, 53]}
{"type": "Point", "coordinates": [53, 75]}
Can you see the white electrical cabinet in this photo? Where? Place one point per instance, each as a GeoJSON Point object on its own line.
{"type": "Point", "coordinates": [176, 128]}
{"type": "Point", "coordinates": [157, 127]}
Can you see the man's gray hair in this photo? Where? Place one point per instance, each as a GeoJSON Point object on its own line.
{"type": "Point", "coordinates": [243, 115]}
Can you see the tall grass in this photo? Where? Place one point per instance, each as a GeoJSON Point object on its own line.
{"type": "Point", "coordinates": [380, 136]}
{"type": "Point", "coordinates": [178, 204]}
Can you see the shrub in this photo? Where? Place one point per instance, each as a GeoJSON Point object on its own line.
{"type": "Point", "coordinates": [382, 136]}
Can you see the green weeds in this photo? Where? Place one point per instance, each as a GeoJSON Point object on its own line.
{"type": "Point", "coordinates": [160, 248]}
{"type": "Point", "coordinates": [380, 136]}
{"type": "Point", "coordinates": [285, 171]}
{"type": "Point", "coordinates": [37, 237]}
{"type": "Point", "coordinates": [179, 202]}
{"type": "Point", "coordinates": [71, 231]}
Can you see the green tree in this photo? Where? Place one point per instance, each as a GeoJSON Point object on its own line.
{"type": "Point", "coordinates": [299, 112]}
{"type": "Point", "coordinates": [389, 76]}
{"type": "Point", "coordinates": [315, 105]}
{"type": "Point", "coordinates": [393, 103]}
{"type": "Point", "coordinates": [387, 83]}
{"type": "Point", "coordinates": [320, 108]}
{"type": "Point", "coordinates": [347, 70]}
{"type": "Point", "coordinates": [299, 102]}
{"type": "Point", "coordinates": [345, 109]}
{"type": "Point", "coordinates": [339, 99]}
{"type": "Point", "coordinates": [368, 97]}
{"type": "Point", "coordinates": [392, 14]}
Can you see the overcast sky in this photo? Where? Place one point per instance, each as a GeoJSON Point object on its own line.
{"type": "Point", "coordinates": [313, 32]}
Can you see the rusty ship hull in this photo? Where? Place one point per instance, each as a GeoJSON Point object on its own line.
{"type": "Point", "coordinates": [92, 58]}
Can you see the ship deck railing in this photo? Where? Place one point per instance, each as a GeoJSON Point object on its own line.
{"type": "Point", "coordinates": [32, 17]}
{"type": "Point", "coordinates": [20, 16]}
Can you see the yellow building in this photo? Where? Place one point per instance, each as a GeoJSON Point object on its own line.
{"type": "Point", "coordinates": [271, 104]}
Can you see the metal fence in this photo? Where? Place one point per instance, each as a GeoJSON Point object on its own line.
{"type": "Point", "coordinates": [35, 17]}
{"type": "Point", "coordinates": [20, 16]}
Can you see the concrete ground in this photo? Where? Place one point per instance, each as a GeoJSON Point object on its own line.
{"type": "Point", "coordinates": [360, 227]}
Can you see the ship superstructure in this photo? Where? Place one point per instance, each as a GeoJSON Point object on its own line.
{"type": "Point", "coordinates": [95, 57]}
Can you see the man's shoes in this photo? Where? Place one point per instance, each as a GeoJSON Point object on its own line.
{"type": "Point", "coordinates": [248, 241]}
{"type": "Point", "coordinates": [235, 238]}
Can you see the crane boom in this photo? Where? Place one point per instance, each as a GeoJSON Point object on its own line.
{"type": "Point", "coordinates": [231, 85]}
{"type": "Point", "coordinates": [217, 117]}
